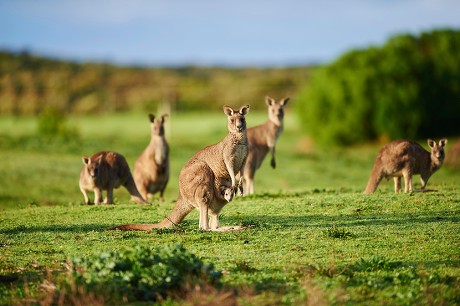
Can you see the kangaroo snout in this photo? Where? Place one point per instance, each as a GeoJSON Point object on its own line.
{"type": "Point", "coordinates": [240, 125]}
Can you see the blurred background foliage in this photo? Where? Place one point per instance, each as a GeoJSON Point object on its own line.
{"type": "Point", "coordinates": [407, 88]}
{"type": "Point", "coordinates": [29, 84]}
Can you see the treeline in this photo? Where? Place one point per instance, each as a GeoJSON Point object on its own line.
{"type": "Point", "coordinates": [407, 88]}
{"type": "Point", "coordinates": [29, 84]}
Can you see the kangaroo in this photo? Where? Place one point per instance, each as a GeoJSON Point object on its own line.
{"type": "Point", "coordinates": [106, 171]}
{"type": "Point", "coordinates": [202, 177]}
{"type": "Point", "coordinates": [151, 170]}
{"type": "Point", "coordinates": [226, 192]}
{"type": "Point", "coordinates": [262, 139]}
{"type": "Point", "coordinates": [404, 158]}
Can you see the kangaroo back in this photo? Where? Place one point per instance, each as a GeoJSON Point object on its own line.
{"type": "Point", "coordinates": [120, 174]}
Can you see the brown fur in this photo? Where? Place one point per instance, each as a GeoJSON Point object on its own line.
{"type": "Point", "coordinates": [201, 178]}
{"type": "Point", "coordinates": [106, 171]}
{"type": "Point", "coordinates": [262, 139]}
{"type": "Point", "coordinates": [151, 170]}
{"type": "Point", "coordinates": [405, 158]}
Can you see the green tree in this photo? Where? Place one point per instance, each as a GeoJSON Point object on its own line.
{"type": "Point", "coordinates": [408, 88]}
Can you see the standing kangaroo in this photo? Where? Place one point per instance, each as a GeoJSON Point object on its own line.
{"type": "Point", "coordinates": [262, 139]}
{"type": "Point", "coordinates": [106, 171]}
{"type": "Point", "coordinates": [406, 158]}
{"type": "Point", "coordinates": [151, 170]}
{"type": "Point", "coordinates": [203, 179]}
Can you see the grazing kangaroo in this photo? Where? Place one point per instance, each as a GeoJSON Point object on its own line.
{"type": "Point", "coordinates": [106, 171]}
{"type": "Point", "coordinates": [151, 170]}
{"type": "Point", "coordinates": [262, 139]}
{"type": "Point", "coordinates": [202, 177]}
{"type": "Point", "coordinates": [406, 158]}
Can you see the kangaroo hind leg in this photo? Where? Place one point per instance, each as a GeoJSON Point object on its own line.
{"type": "Point", "coordinates": [397, 181]}
{"type": "Point", "coordinates": [248, 183]}
{"type": "Point", "coordinates": [407, 181]}
{"type": "Point", "coordinates": [203, 200]}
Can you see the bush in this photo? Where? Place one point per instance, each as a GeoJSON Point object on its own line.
{"type": "Point", "coordinates": [52, 125]}
{"type": "Point", "coordinates": [142, 273]}
{"type": "Point", "coordinates": [406, 89]}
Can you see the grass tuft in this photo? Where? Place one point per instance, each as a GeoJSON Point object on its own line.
{"type": "Point", "coordinates": [338, 233]}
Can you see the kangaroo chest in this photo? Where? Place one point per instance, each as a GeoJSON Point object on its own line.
{"type": "Point", "coordinates": [239, 156]}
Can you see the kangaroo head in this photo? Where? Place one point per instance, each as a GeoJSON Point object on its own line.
{"type": "Point", "coordinates": [227, 193]}
{"type": "Point", "coordinates": [157, 125]}
{"type": "Point", "coordinates": [276, 110]}
{"type": "Point", "coordinates": [92, 166]}
{"type": "Point", "coordinates": [236, 120]}
{"type": "Point", "coordinates": [437, 149]}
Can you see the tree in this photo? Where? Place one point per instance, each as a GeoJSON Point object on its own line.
{"type": "Point", "coordinates": [408, 88]}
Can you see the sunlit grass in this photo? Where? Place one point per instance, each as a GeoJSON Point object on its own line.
{"type": "Point", "coordinates": [310, 227]}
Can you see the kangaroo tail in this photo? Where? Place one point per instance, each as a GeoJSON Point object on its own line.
{"type": "Point", "coordinates": [180, 211]}
{"type": "Point", "coordinates": [374, 180]}
{"type": "Point", "coordinates": [166, 223]}
{"type": "Point", "coordinates": [134, 192]}
{"type": "Point", "coordinates": [134, 227]}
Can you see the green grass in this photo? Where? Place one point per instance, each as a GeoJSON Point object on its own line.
{"type": "Point", "coordinates": [313, 237]}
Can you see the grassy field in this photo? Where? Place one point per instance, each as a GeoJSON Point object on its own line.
{"type": "Point", "coordinates": [313, 237]}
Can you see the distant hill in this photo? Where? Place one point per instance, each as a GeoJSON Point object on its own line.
{"type": "Point", "coordinates": [30, 83]}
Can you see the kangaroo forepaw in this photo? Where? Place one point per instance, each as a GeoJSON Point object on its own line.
{"type": "Point", "coordinates": [234, 190]}
{"type": "Point", "coordinates": [240, 190]}
{"type": "Point", "coordinates": [273, 164]}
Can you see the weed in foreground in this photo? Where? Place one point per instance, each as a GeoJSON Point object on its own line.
{"type": "Point", "coordinates": [143, 273]}
{"type": "Point", "coordinates": [380, 277]}
{"type": "Point", "coordinates": [339, 233]}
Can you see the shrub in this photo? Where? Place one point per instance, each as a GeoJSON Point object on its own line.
{"type": "Point", "coordinates": [143, 273]}
{"type": "Point", "coordinates": [52, 125]}
{"type": "Point", "coordinates": [407, 88]}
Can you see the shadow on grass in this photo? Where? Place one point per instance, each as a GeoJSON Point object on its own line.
{"type": "Point", "coordinates": [346, 220]}
{"type": "Point", "coordinates": [75, 228]}
{"type": "Point", "coordinates": [269, 222]}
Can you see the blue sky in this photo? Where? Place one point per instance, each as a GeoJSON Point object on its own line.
{"type": "Point", "coordinates": [213, 32]}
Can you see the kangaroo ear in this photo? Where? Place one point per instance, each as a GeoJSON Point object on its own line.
{"type": "Point", "coordinates": [443, 142]}
{"type": "Point", "coordinates": [151, 117]}
{"type": "Point", "coordinates": [284, 101]}
{"type": "Point", "coordinates": [244, 110]}
{"type": "Point", "coordinates": [163, 118]}
{"type": "Point", "coordinates": [85, 160]}
{"type": "Point", "coordinates": [431, 143]}
{"type": "Point", "coordinates": [99, 157]}
{"type": "Point", "coordinates": [228, 110]}
{"type": "Point", "coordinates": [269, 101]}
